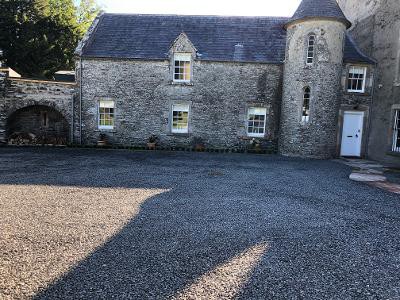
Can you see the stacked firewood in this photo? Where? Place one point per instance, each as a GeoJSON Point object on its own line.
{"type": "Point", "coordinates": [23, 138]}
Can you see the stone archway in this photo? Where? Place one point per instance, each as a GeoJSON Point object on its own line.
{"type": "Point", "coordinates": [37, 125]}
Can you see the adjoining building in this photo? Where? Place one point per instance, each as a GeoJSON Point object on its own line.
{"type": "Point", "coordinates": [376, 28]}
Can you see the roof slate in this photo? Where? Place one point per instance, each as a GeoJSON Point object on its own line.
{"type": "Point", "coordinates": [353, 54]}
{"type": "Point", "coordinates": [216, 38]}
{"type": "Point", "coordinates": [319, 9]}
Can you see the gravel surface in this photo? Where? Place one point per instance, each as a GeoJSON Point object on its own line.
{"type": "Point", "coordinates": [87, 224]}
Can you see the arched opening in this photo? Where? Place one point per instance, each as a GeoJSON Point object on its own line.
{"type": "Point", "coordinates": [37, 125]}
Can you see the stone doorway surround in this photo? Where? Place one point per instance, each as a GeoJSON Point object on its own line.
{"type": "Point", "coordinates": [359, 109]}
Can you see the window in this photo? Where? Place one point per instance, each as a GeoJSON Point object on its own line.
{"type": "Point", "coordinates": [256, 121]}
{"type": "Point", "coordinates": [396, 132]}
{"type": "Point", "coordinates": [180, 118]}
{"type": "Point", "coordinates": [356, 79]}
{"type": "Point", "coordinates": [305, 114]}
{"type": "Point", "coordinates": [310, 49]}
{"type": "Point", "coordinates": [182, 69]}
{"type": "Point", "coordinates": [106, 114]}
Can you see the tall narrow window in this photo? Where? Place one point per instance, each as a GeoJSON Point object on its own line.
{"type": "Point", "coordinates": [256, 121]}
{"type": "Point", "coordinates": [396, 132]}
{"type": "Point", "coordinates": [310, 49]}
{"type": "Point", "coordinates": [356, 79]}
{"type": "Point", "coordinates": [106, 114]}
{"type": "Point", "coordinates": [182, 67]}
{"type": "Point", "coordinates": [180, 118]}
{"type": "Point", "coordinates": [305, 114]}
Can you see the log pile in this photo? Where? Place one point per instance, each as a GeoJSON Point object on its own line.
{"type": "Point", "coordinates": [23, 138]}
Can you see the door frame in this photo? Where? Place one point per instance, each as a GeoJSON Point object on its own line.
{"type": "Point", "coordinates": [364, 109]}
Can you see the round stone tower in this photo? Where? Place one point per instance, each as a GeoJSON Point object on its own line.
{"type": "Point", "coordinates": [311, 80]}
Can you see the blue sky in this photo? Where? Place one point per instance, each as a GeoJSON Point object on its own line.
{"type": "Point", "coordinates": [203, 7]}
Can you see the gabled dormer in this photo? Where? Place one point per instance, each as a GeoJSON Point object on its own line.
{"type": "Point", "coordinates": [182, 55]}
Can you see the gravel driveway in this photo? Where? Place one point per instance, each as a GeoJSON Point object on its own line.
{"type": "Point", "coordinates": [157, 225]}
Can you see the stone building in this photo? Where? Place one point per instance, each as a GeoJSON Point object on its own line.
{"type": "Point", "coordinates": [227, 81]}
{"type": "Point", "coordinates": [300, 85]}
{"type": "Point", "coordinates": [376, 28]}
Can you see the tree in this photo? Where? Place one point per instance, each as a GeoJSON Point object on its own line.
{"type": "Point", "coordinates": [39, 37]}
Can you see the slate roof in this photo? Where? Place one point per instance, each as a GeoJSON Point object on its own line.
{"type": "Point", "coordinates": [353, 54]}
{"type": "Point", "coordinates": [319, 9]}
{"type": "Point", "coordinates": [217, 38]}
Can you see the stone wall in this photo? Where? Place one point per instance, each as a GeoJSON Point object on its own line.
{"type": "Point", "coordinates": [19, 94]}
{"type": "Point", "coordinates": [376, 28]}
{"type": "Point", "coordinates": [318, 137]}
{"type": "Point", "coordinates": [143, 91]}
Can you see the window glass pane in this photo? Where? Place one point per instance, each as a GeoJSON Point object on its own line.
{"type": "Point", "coordinates": [180, 118]}
{"type": "Point", "coordinates": [256, 121]}
{"type": "Point", "coordinates": [106, 113]}
{"type": "Point", "coordinates": [182, 70]}
{"type": "Point", "coordinates": [306, 105]}
{"type": "Point", "coordinates": [187, 71]}
{"type": "Point", "coordinates": [356, 79]}
{"type": "Point", "coordinates": [310, 49]}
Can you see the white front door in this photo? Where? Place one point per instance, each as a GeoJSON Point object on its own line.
{"type": "Point", "coordinates": [352, 133]}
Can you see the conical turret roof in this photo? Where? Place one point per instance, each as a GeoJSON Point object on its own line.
{"type": "Point", "coordinates": [325, 9]}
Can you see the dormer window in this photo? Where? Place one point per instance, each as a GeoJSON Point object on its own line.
{"type": "Point", "coordinates": [182, 67]}
{"type": "Point", "coordinates": [310, 49]}
{"type": "Point", "coordinates": [356, 79]}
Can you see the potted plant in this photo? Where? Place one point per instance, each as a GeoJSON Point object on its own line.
{"type": "Point", "coordinates": [255, 144]}
{"type": "Point", "coordinates": [152, 142]}
{"type": "Point", "coordinates": [102, 140]}
{"type": "Point", "coordinates": [198, 144]}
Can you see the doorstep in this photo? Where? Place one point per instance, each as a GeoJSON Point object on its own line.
{"type": "Point", "coordinates": [370, 172]}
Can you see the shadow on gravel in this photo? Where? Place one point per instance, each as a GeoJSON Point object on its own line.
{"type": "Point", "coordinates": [314, 222]}
{"type": "Point", "coordinates": [156, 255]}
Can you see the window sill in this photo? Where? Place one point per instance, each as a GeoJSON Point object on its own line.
{"type": "Point", "coordinates": [250, 137]}
{"type": "Point", "coordinates": [180, 134]}
{"type": "Point", "coordinates": [110, 130]}
{"type": "Point", "coordinates": [356, 93]}
{"type": "Point", "coordinates": [184, 83]}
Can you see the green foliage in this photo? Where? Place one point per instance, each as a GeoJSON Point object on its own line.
{"type": "Point", "coordinates": [39, 37]}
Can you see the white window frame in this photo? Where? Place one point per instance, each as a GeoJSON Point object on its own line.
{"type": "Point", "coordinates": [182, 58]}
{"type": "Point", "coordinates": [306, 119]}
{"type": "Point", "coordinates": [352, 71]}
{"type": "Point", "coordinates": [310, 52]}
{"type": "Point", "coordinates": [253, 111]}
{"type": "Point", "coordinates": [180, 107]}
{"type": "Point", "coordinates": [106, 104]}
{"type": "Point", "coordinates": [396, 131]}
